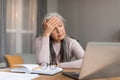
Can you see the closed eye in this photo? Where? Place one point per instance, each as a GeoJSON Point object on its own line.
{"type": "Point", "coordinates": [59, 25]}
{"type": "Point", "coordinates": [54, 29]}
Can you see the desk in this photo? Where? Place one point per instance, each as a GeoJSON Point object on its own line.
{"type": "Point", "coordinates": [59, 76]}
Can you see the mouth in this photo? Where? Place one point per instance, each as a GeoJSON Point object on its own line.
{"type": "Point", "coordinates": [60, 34]}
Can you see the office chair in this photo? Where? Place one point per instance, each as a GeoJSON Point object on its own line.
{"type": "Point", "coordinates": [13, 59]}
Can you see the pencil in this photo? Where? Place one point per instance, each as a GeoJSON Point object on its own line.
{"type": "Point", "coordinates": [38, 67]}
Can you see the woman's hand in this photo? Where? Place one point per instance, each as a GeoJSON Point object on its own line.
{"type": "Point", "coordinates": [49, 26]}
{"type": "Point", "coordinates": [58, 65]}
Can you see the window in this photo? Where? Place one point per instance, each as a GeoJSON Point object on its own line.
{"type": "Point", "coordinates": [21, 25]}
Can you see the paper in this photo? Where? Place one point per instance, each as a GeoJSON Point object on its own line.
{"type": "Point", "coordinates": [35, 68]}
{"type": "Point", "coordinates": [17, 76]}
{"type": "Point", "coordinates": [5, 69]}
{"type": "Point", "coordinates": [28, 66]}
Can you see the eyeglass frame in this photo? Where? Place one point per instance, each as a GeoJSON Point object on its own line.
{"type": "Point", "coordinates": [47, 65]}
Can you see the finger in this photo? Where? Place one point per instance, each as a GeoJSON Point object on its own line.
{"type": "Point", "coordinates": [55, 24]}
{"type": "Point", "coordinates": [44, 22]}
{"type": "Point", "coordinates": [52, 23]}
{"type": "Point", "coordinates": [52, 20]}
{"type": "Point", "coordinates": [58, 65]}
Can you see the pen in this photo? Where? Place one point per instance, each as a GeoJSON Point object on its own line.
{"type": "Point", "coordinates": [38, 67]}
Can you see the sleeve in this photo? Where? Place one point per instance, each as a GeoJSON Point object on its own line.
{"type": "Point", "coordinates": [72, 64]}
{"type": "Point", "coordinates": [42, 49]}
{"type": "Point", "coordinates": [78, 52]}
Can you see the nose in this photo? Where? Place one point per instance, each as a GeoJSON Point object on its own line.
{"type": "Point", "coordinates": [58, 29]}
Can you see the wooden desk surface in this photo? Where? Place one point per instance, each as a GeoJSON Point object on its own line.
{"type": "Point", "coordinates": [59, 76]}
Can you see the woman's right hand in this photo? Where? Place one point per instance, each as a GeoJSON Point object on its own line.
{"type": "Point", "coordinates": [49, 26]}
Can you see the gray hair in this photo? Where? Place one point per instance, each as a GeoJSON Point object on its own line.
{"type": "Point", "coordinates": [53, 14]}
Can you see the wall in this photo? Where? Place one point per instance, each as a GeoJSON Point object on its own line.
{"type": "Point", "coordinates": [92, 20]}
{"type": "Point", "coordinates": [52, 5]}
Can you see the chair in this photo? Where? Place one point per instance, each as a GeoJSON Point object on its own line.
{"type": "Point", "coordinates": [13, 59]}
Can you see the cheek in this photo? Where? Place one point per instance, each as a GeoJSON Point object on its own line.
{"type": "Point", "coordinates": [63, 28]}
{"type": "Point", "coordinates": [64, 31]}
{"type": "Point", "coordinates": [53, 35]}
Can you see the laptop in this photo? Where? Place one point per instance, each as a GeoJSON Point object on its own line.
{"type": "Point", "coordinates": [102, 60]}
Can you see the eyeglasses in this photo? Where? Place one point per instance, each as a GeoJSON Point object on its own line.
{"type": "Point", "coordinates": [45, 65]}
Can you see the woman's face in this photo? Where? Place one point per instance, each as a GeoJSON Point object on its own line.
{"type": "Point", "coordinates": [58, 33]}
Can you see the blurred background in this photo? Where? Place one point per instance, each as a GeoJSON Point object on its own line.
{"type": "Point", "coordinates": [86, 20]}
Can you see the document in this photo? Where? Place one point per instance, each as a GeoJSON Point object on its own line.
{"type": "Point", "coordinates": [36, 69]}
{"type": "Point", "coordinates": [17, 76]}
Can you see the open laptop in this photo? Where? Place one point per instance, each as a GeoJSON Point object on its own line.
{"type": "Point", "coordinates": [102, 60]}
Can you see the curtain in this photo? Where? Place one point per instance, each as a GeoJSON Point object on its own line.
{"type": "Point", "coordinates": [41, 11]}
{"type": "Point", "coordinates": [21, 25]}
{"type": "Point", "coordinates": [5, 32]}
{"type": "Point", "coordinates": [3, 50]}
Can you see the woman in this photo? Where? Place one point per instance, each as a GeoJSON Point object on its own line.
{"type": "Point", "coordinates": [54, 47]}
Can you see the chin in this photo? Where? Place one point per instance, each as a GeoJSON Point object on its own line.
{"type": "Point", "coordinates": [61, 38]}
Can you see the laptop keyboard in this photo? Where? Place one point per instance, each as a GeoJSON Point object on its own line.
{"type": "Point", "coordinates": [74, 75]}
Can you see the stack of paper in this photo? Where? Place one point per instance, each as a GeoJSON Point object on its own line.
{"type": "Point", "coordinates": [16, 76]}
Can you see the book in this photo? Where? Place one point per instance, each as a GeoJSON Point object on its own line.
{"type": "Point", "coordinates": [36, 69]}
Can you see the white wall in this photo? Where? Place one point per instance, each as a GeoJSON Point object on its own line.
{"type": "Point", "coordinates": [92, 20]}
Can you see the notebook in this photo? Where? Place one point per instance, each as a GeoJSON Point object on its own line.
{"type": "Point", "coordinates": [36, 69]}
{"type": "Point", "coordinates": [102, 59]}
